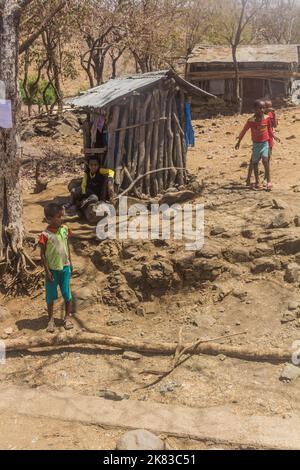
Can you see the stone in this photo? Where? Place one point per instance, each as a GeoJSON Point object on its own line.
{"type": "Point", "coordinates": [237, 255]}
{"type": "Point", "coordinates": [242, 295]}
{"type": "Point", "coordinates": [158, 274]}
{"type": "Point", "coordinates": [265, 265]}
{"type": "Point", "coordinates": [110, 395]}
{"type": "Point", "coordinates": [4, 313]}
{"type": "Point", "coordinates": [221, 357]}
{"type": "Point", "coordinates": [150, 308]}
{"type": "Point", "coordinates": [292, 273]}
{"type": "Point", "coordinates": [217, 230]}
{"type": "Point", "coordinates": [297, 221]}
{"type": "Point", "coordinates": [282, 220]}
{"type": "Point", "coordinates": [140, 310]}
{"type": "Point", "coordinates": [106, 257]}
{"type": "Point", "coordinates": [288, 246]}
{"type": "Point", "coordinates": [134, 276]}
{"type": "Point", "coordinates": [290, 372]}
{"type": "Point", "coordinates": [208, 252]}
{"type": "Point", "coordinates": [131, 356]}
{"type": "Point", "coordinates": [288, 317]}
{"type": "Point", "coordinates": [8, 331]}
{"type": "Point", "coordinates": [262, 250]}
{"type": "Point", "coordinates": [115, 319]}
{"type": "Point", "coordinates": [248, 233]}
{"type": "Point", "coordinates": [84, 297]}
{"type": "Point", "coordinates": [139, 439]}
{"type": "Point", "coordinates": [169, 387]}
{"type": "Point", "coordinates": [279, 204]}
{"type": "Point", "coordinates": [290, 137]}
{"type": "Point", "coordinates": [293, 305]}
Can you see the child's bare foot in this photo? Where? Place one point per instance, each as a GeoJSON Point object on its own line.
{"type": "Point", "coordinates": [68, 324]}
{"type": "Point", "coordinates": [269, 186]}
{"type": "Point", "coordinates": [51, 326]}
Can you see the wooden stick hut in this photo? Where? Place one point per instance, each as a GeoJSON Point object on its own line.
{"type": "Point", "coordinates": [138, 124]}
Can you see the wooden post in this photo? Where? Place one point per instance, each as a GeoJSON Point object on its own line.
{"type": "Point", "coordinates": [86, 130]}
{"type": "Point", "coordinates": [113, 124]}
{"type": "Point", "coordinates": [121, 143]}
{"type": "Point", "coordinates": [161, 137]}
{"type": "Point", "coordinates": [154, 146]}
{"type": "Point", "coordinates": [149, 135]}
{"type": "Point", "coordinates": [142, 139]}
{"type": "Point", "coordinates": [170, 139]}
{"type": "Point", "coordinates": [130, 132]}
{"type": "Point", "coordinates": [136, 138]}
{"type": "Point", "coordinates": [178, 157]}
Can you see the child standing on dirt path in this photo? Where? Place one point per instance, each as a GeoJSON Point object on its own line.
{"type": "Point", "coordinates": [270, 111]}
{"type": "Point", "coordinates": [261, 132]}
{"type": "Point", "coordinates": [56, 258]}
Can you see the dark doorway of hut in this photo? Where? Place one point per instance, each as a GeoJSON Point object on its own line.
{"type": "Point", "coordinates": [252, 89]}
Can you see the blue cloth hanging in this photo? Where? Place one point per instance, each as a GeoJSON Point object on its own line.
{"type": "Point", "coordinates": [189, 134]}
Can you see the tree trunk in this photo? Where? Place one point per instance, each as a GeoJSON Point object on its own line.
{"type": "Point", "coordinates": [237, 94]}
{"type": "Point", "coordinates": [11, 224]}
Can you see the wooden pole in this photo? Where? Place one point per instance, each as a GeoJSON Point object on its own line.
{"type": "Point", "coordinates": [136, 137]}
{"type": "Point", "coordinates": [161, 138]}
{"type": "Point", "coordinates": [130, 132]}
{"type": "Point", "coordinates": [142, 143]}
{"type": "Point", "coordinates": [178, 143]}
{"type": "Point", "coordinates": [149, 136]}
{"type": "Point", "coordinates": [154, 146]}
{"type": "Point", "coordinates": [121, 143]}
{"type": "Point", "coordinates": [170, 139]}
{"type": "Point", "coordinates": [113, 124]}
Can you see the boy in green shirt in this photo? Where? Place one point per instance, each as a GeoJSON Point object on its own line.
{"type": "Point", "coordinates": [56, 258]}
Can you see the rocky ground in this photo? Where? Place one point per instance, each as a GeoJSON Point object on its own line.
{"type": "Point", "coordinates": [245, 279]}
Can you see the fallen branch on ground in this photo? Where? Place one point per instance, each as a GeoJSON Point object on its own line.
{"type": "Point", "coordinates": [249, 353]}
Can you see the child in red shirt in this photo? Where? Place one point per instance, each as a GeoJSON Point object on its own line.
{"type": "Point", "coordinates": [270, 111]}
{"type": "Point", "coordinates": [261, 132]}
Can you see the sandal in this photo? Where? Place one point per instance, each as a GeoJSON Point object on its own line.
{"type": "Point", "coordinates": [257, 186]}
{"type": "Point", "coordinates": [68, 324]}
{"type": "Point", "coordinates": [51, 327]}
{"type": "Point", "coordinates": [269, 186]}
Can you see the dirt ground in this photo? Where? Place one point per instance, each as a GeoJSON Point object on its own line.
{"type": "Point", "coordinates": [248, 289]}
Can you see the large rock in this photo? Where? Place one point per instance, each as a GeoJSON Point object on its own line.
{"type": "Point", "coordinates": [134, 276]}
{"type": "Point", "coordinates": [139, 439]}
{"type": "Point", "coordinates": [265, 265]}
{"type": "Point", "coordinates": [237, 255]}
{"type": "Point", "coordinates": [282, 220]}
{"type": "Point", "coordinates": [289, 373]}
{"type": "Point", "coordinates": [262, 251]}
{"type": "Point", "coordinates": [288, 246]}
{"type": "Point", "coordinates": [202, 270]}
{"type": "Point", "coordinates": [107, 256]}
{"type": "Point", "coordinates": [84, 297]}
{"type": "Point", "coordinates": [292, 273]}
{"type": "Point", "coordinates": [158, 274]}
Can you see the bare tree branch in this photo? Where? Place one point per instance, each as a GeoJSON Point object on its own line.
{"type": "Point", "coordinates": [26, 44]}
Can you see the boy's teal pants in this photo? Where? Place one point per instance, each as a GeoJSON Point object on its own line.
{"type": "Point", "coordinates": [61, 279]}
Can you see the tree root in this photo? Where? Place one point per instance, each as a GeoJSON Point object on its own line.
{"type": "Point", "coordinates": [207, 347]}
{"type": "Point", "coordinates": [20, 274]}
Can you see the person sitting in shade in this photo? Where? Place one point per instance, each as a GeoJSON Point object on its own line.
{"type": "Point", "coordinates": [97, 185]}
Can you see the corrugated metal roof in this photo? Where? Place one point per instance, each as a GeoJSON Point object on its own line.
{"type": "Point", "coordinates": [287, 53]}
{"type": "Point", "coordinates": [117, 88]}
